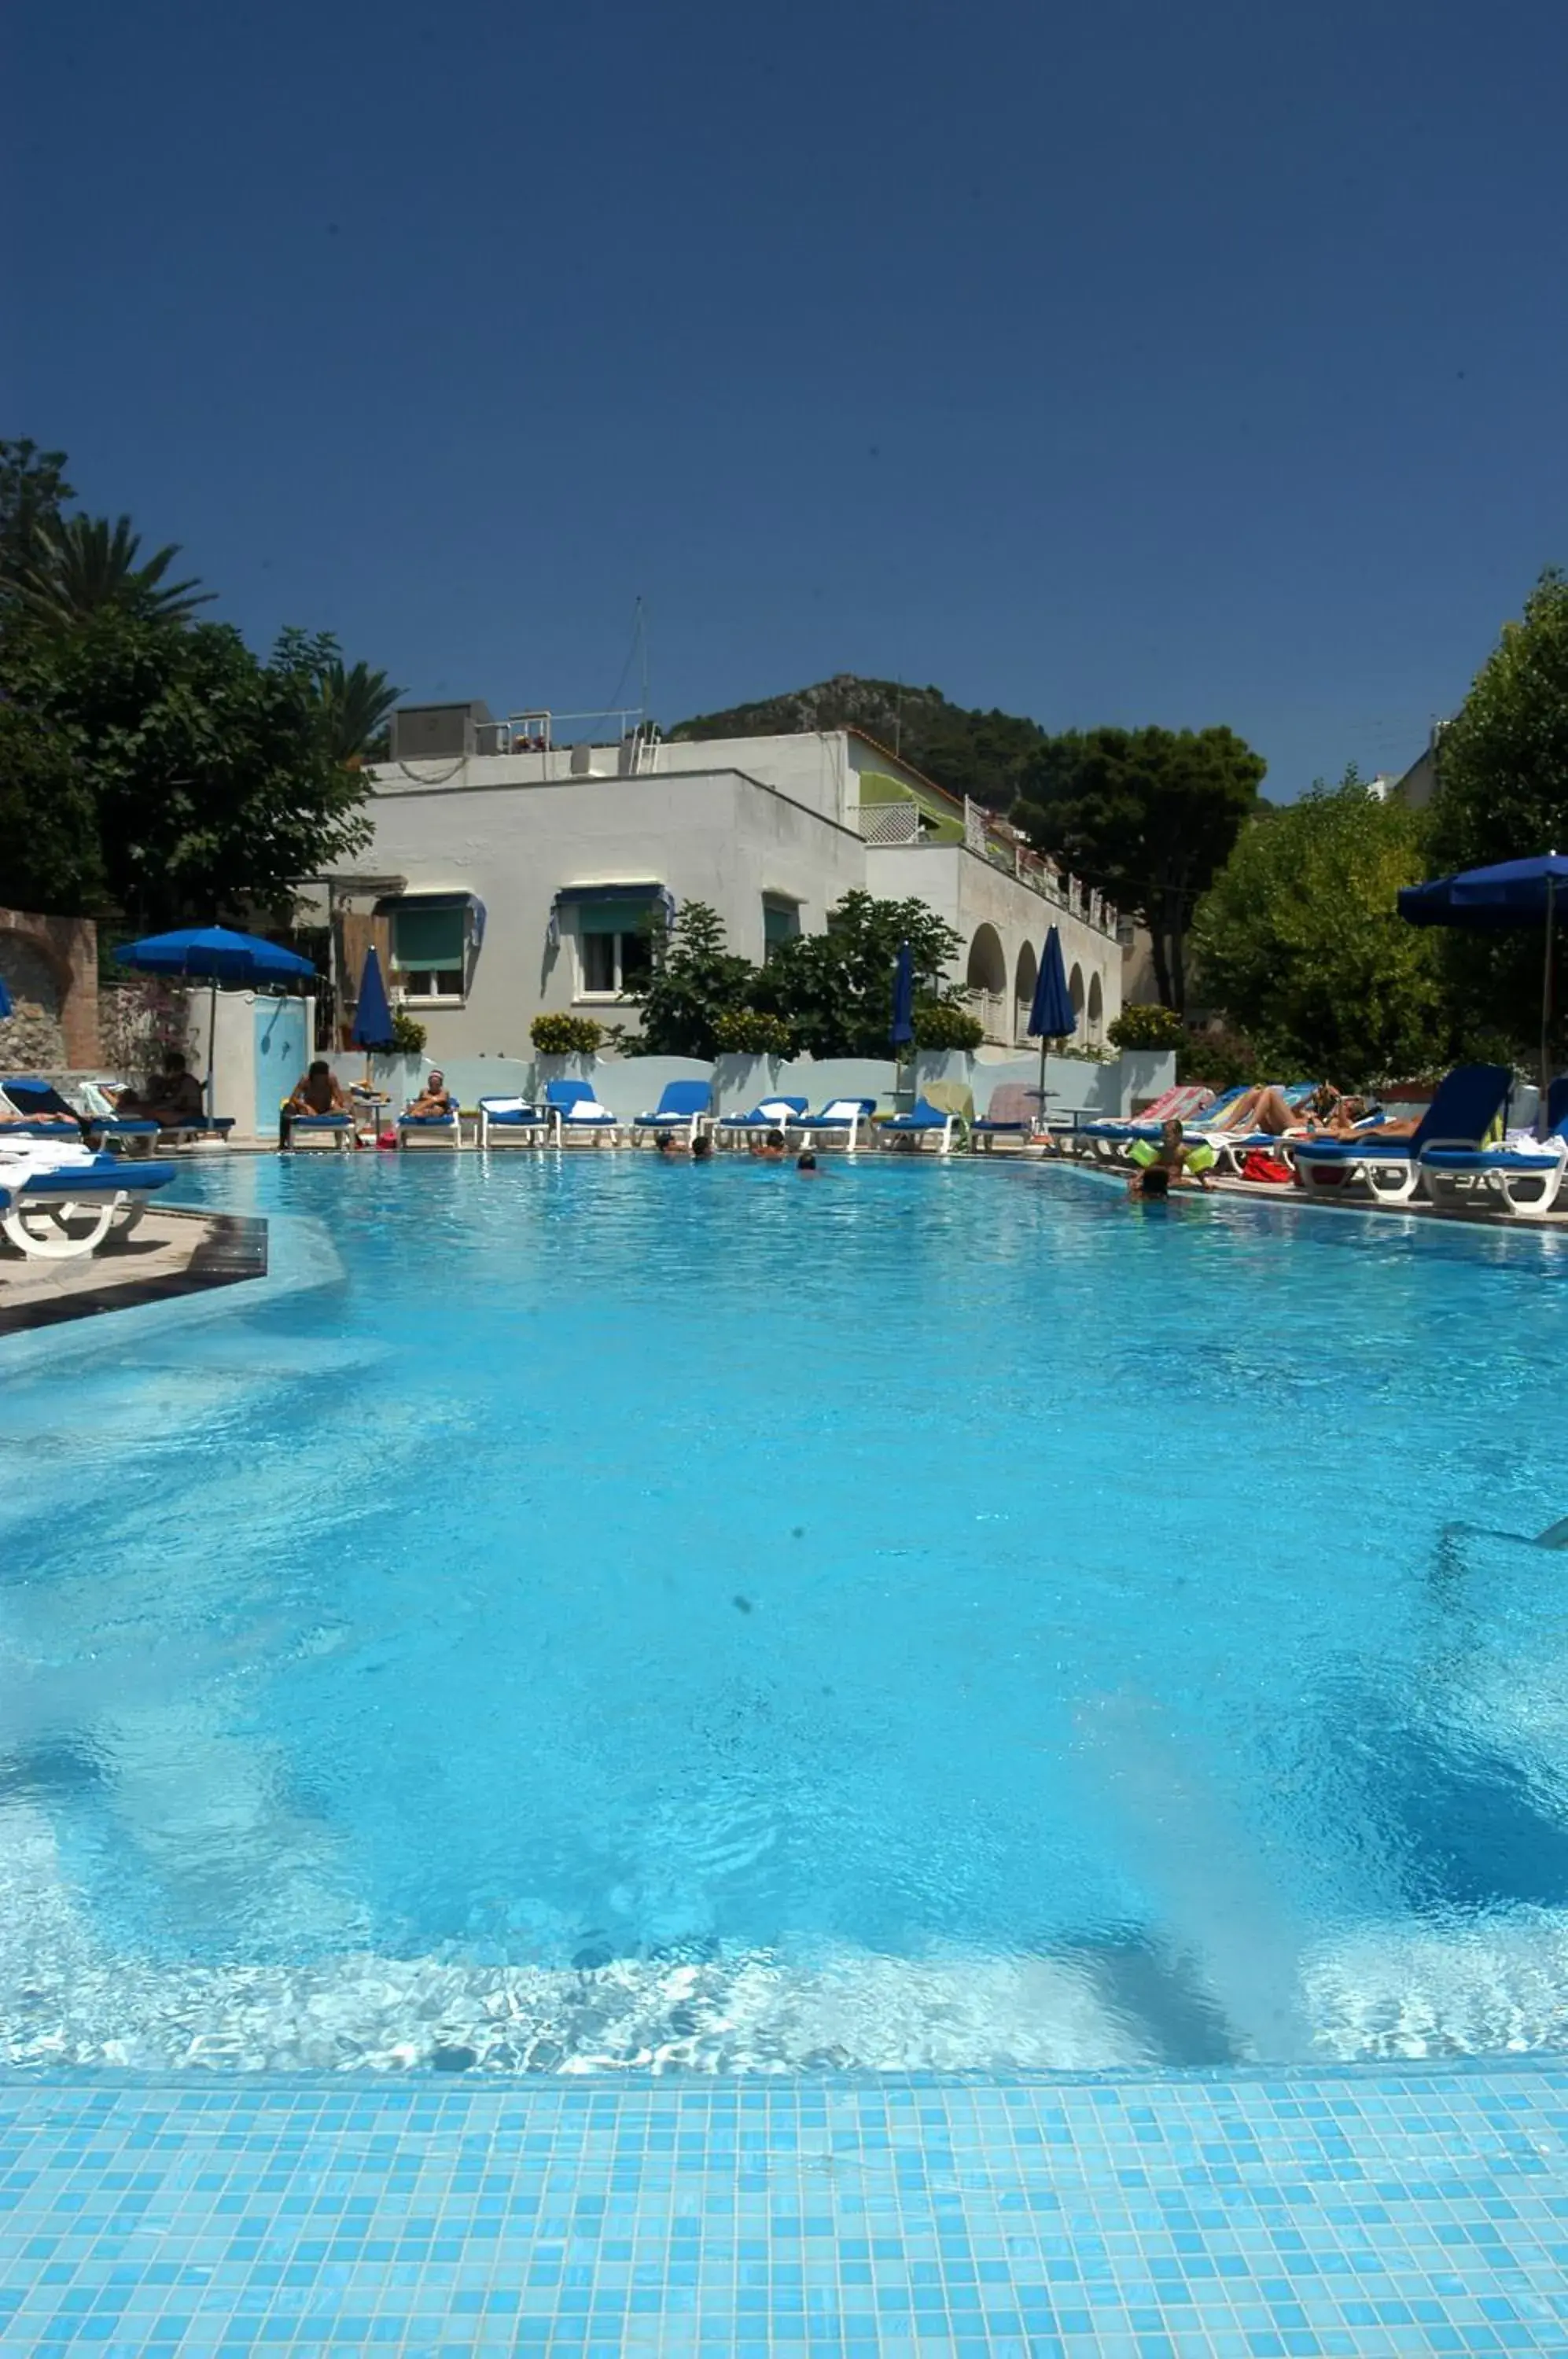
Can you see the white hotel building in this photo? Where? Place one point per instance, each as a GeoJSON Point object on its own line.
{"type": "Point", "coordinates": [510, 874]}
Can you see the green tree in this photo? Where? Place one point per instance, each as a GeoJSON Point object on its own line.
{"type": "Point", "coordinates": [356, 703]}
{"type": "Point", "coordinates": [84, 564]}
{"type": "Point", "coordinates": [695, 981]}
{"type": "Point", "coordinates": [835, 990]}
{"type": "Point", "coordinates": [1302, 945]}
{"type": "Point", "coordinates": [33, 489]}
{"type": "Point", "coordinates": [210, 774]}
{"type": "Point", "coordinates": [49, 853]}
{"type": "Point", "coordinates": [1502, 794]}
{"type": "Point", "coordinates": [1150, 817]}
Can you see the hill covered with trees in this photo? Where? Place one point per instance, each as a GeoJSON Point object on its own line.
{"type": "Point", "coordinates": [985, 755]}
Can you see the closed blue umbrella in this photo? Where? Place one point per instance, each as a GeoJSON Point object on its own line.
{"type": "Point", "coordinates": [4, 1000]}
{"type": "Point", "coordinates": [217, 954]}
{"type": "Point", "coordinates": [1052, 1016]}
{"type": "Point", "coordinates": [372, 1015]}
{"type": "Point", "coordinates": [1493, 900]}
{"type": "Point", "coordinates": [903, 1024]}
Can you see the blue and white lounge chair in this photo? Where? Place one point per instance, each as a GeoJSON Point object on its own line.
{"type": "Point", "coordinates": [681, 1107]}
{"type": "Point", "coordinates": [332, 1131]}
{"type": "Point", "coordinates": [1013, 1113]}
{"type": "Point", "coordinates": [577, 1115]}
{"type": "Point", "coordinates": [1521, 1176]}
{"type": "Point", "coordinates": [1468, 1102]}
{"type": "Point", "coordinates": [428, 1130]}
{"type": "Point", "coordinates": [840, 1118]}
{"type": "Point", "coordinates": [767, 1114]}
{"type": "Point", "coordinates": [923, 1122]}
{"type": "Point", "coordinates": [49, 1192]}
{"type": "Point", "coordinates": [514, 1122]}
{"type": "Point", "coordinates": [1109, 1141]}
{"type": "Point", "coordinates": [39, 1109]}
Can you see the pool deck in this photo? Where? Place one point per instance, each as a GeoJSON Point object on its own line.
{"type": "Point", "coordinates": [168, 1254]}
{"type": "Point", "coordinates": [1385, 2209]}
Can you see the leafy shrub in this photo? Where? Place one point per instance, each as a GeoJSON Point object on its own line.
{"type": "Point", "coordinates": [566, 1036]}
{"type": "Point", "coordinates": [1218, 1055]}
{"type": "Point", "coordinates": [1146, 1027]}
{"type": "Point", "coordinates": [752, 1032]}
{"type": "Point", "coordinates": [409, 1034]}
{"type": "Point", "coordinates": [946, 1024]}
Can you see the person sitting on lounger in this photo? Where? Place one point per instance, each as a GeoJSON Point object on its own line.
{"type": "Point", "coordinates": [173, 1096]}
{"type": "Point", "coordinates": [435, 1098]}
{"type": "Point", "coordinates": [771, 1148]}
{"type": "Point", "coordinates": [317, 1091]}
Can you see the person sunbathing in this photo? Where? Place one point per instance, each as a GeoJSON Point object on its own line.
{"type": "Point", "coordinates": [1265, 1108]}
{"type": "Point", "coordinates": [435, 1098]}
{"type": "Point", "coordinates": [317, 1091]}
{"type": "Point", "coordinates": [173, 1096]}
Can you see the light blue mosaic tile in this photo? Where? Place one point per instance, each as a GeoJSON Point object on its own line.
{"type": "Point", "coordinates": [1252, 2219]}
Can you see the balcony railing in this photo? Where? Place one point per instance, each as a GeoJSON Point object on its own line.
{"type": "Point", "coordinates": [898, 823]}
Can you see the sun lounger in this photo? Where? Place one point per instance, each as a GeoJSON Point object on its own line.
{"type": "Point", "coordinates": [768, 1114]}
{"type": "Point", "coordinates": [514, 1122]}
{"type": "Point", "coordinates": [1523, 1175]}
{"type": "Point", "coordinates": [577, 1115]}
{"type": "Point", "coordinates": [681, 1107]}
{"type": "Point", "coordinates": [39, 1110]}
{"type": "Point", "coordinates": [923, 1122]}
{"type": "Point", "coordinates": [1014, 1112]}
{"type": "Point", "coordinates": [430, 1130]}
{"type": "Point", "coordinates": [1108, 1141]}
{"type": "Point", "coordinates": [333, 1131]}
{"type": "Point", "coordinates": [47, 1191]}
{"type": "Point", "coordinates": [840, 1118]}
{"type": "Point", "coordinates": [1468, 1102]}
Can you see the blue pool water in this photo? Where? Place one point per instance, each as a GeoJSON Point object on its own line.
{"type": "Point", "coordinates": [934, 1617]}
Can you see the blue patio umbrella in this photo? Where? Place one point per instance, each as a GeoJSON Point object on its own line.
{"type": "Point", "coordinates": [1495, 900]}
{"type": "Point", "coordinates": [903, 1026]}
{"type": "Point", "coordinates": [215, 955]}
{"type": "Point", "coordinates": [372, 1015]}
{"type": "Point", "coordinates": [1052, 1016]}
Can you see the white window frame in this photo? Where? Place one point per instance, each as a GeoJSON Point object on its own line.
{"type": "Point", "coordinates": [595, 994]}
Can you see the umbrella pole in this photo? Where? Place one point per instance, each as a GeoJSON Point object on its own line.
{"type": "Point", "coordinates": [1044, 1132]}
{"type": "Point", "coordinates": [1546, 997]}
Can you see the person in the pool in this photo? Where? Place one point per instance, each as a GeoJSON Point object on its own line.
{"type": "Point", "coordinates": [1153, 1180]}
{"type": "Point", "coordinates": [701, 1148]}
{"type": "Point", "coordinates": [807, 1166]}
{"type": "Point", "coordinates": [435, 1097]}
{"type": "Point", "coordinates": [1176, 1158]}
{"type": "Point", "coordinates": [771, 1148]}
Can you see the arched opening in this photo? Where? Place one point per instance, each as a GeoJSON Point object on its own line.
{"type": "Point", "coordinates": [1096, 1009]}
{"type": "Point", "coordinates": [987, 980]}
{"type": "Point", "coordinates": [1075, 992]}
{"type": "Point", "coordinates": [1024, 981]}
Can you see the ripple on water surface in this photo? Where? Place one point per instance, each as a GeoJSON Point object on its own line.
{"type": "Point", "coordinates": [927, 1616]}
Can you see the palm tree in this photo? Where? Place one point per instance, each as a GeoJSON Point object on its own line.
{"type": "Point", "coordinates": [356, 702]}
{"type": "Point", "coordinates": [84, 565]}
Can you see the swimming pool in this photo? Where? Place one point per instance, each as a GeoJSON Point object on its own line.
{"type": "Point", "coordinates": [930, 1616]}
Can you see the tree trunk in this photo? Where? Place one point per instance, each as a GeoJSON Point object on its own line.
{"type": "Point", "coordinates": [1161, 964]}
{"type": "Point", "coordinates": [1174, 916]}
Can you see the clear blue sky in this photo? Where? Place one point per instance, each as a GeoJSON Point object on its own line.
{"type": "Point", "coordinates": [1127, 362]}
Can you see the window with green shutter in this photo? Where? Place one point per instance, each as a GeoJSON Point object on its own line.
{"type": "Point", "coordinates": [429, 950]}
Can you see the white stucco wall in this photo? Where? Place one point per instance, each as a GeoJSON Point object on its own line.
{"type": "Point", "coordinates": [709, 835]}
{"type": "Point", "coordinates": [970, 892]}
